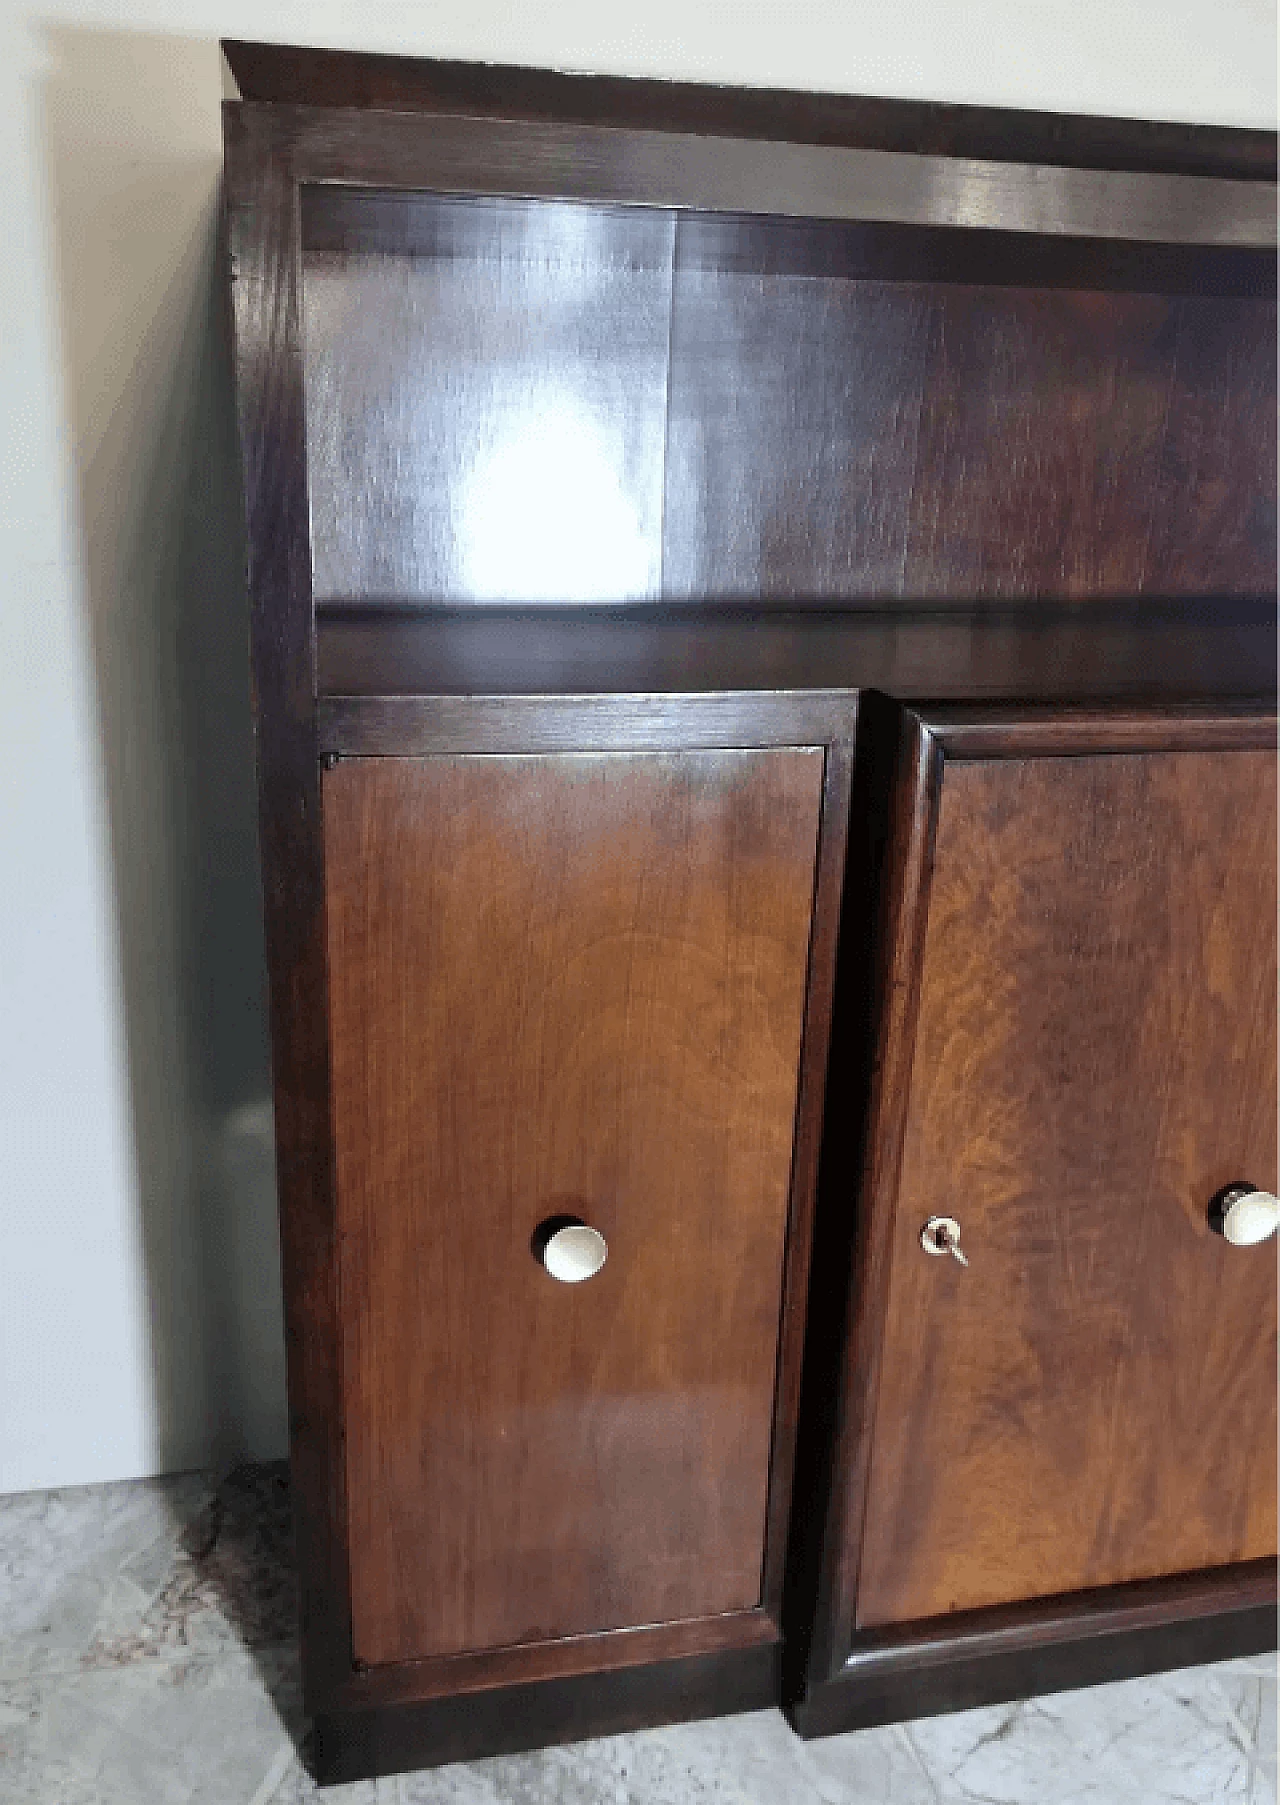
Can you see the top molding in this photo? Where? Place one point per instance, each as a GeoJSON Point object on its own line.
{"type": "Point", "coordinates": [297, 76]}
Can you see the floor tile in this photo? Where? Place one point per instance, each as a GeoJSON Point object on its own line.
{"type": "Point", "coordinates": [871, 1764]}
{"type": "Point", "coordinates": [732, 1761]}
{"type": "Point", "coordinates": [73, 1561]}
{"type": "Point", "coordinates": [202, 1732]}
{"type": "Point", "coordinates": [296, 1787]}
{"type": "Point", "coordinates": [226, 1581]}
{"type": "Point", "coordinates": [1264, 1780]}
{"type": "Point", "coordinates": [1156, 1740]}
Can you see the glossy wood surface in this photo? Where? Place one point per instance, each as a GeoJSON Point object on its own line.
{"type": "Point", "coordinates": [1092, 1400]}
{"type": "Point", "coordinates": [521, 1664]}
{"type": "Point", "coordinates": [562, 986]}
{"type": "Point", "coordinates": [535, 402]}
{"type": "Point", "coordinates": [295, 74]}
{"type": "Point", "coordinates": [404, 222]}
{"type": "Point", "coordinates": [795, 406]}
{"type": "Point", "coordinates": [485, 418]}
{"type": "Point", "coordinates": [555, 160]}
{"type": "Point", "coordinates": [1082, 651]}
{"type": "Point", "coordinates": [857, 440]}
{"type": "Point", "coordinates": [395, 726]}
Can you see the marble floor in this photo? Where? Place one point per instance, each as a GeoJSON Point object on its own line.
{"type": "Point", "coordinates": [147, 1658]}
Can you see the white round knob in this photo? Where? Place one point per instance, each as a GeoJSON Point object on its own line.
{"type": "Point", "coordinates": [574, 1252]}
{"type": "Point", "coordinates": [1244, 1216]}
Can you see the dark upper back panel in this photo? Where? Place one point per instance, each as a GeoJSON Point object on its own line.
{"type": "Point", "coordinates": [537, 401]}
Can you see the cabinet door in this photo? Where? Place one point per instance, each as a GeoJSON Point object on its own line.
{"type": "Point", "coordinates": [565, 986]}
{"type": "Point", "coordinates": [1091, 1399]}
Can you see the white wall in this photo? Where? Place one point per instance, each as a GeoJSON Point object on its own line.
{"type": "Point", "coordinates": [139, 1328]}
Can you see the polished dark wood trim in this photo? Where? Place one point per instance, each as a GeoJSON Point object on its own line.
{"type": "Point", "coordinates": [302, 76]}
{"type": "Point", "coordinates": [529, 1663]}
{"type": "Point", "coordinates": [414, 726]}
{"type": "Point", "coordinates": [261, 202]}
{"type": "Point", "coordinates": [1040, 732]}
{"type": "Point", "coordinates": [847, 1082]}
{"type": "Point", "coordinates": [396, 222]}
{"type": "Point", "coordinates": [828, 892]}
{"type": "Point", "coordinates": [535, 159]}
{"type": "Point", "coordinates": [355, 1745]}
{"type": "Point", "coordinates": [863, 250]}
{"type": "Point", "coordinates": [1080, 651]}
{"type": "Point", "coordinates": [1081, 1639]}
{"type": "Point", "coordinates": [874, 1036]}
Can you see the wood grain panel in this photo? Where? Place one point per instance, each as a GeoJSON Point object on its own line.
{"type": "Point", "coordinates": [1214, 518]}
{"type": "Point", "coordinates": [792, 437]}
{"type": "Point", "coordinates": [393, 726]}
{"type": "Point", "coordinates": [836, 440]}
{"type": "Point", "coordinates": [519, 401]}
{"type": "Point", "coordinates": [485, 408]}
{"type": "Point", "coordinates": [1040, 441]}
{"type": "Point", "coordinates": [1093, 1399]}
{"type": "Point", "coordinates": [562, 985]}
{"type": "Point", "coordinates": [1076, 444]}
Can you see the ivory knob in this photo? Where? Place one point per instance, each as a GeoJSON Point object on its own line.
{"type": "Point", "coordinates": [572, 1252]}
{"type": "Point", "coordinates": [1244, 1216]}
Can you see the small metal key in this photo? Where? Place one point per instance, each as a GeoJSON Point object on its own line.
{"type": "Point", "coordinates": [941, 1234]}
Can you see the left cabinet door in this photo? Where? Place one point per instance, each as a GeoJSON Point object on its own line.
{"type": "Point", "coordinates": [564, 986]}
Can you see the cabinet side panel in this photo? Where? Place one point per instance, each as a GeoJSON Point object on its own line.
{"type": "Point", "coordinates": [569, 985]}
{"type": "Point", "coordinates": [1091, 1400]}
{"type": "Point", "coordinates": [261, 200]}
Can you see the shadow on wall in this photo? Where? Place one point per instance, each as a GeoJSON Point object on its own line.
{"type": "Point", "coordinates": [131, 136]}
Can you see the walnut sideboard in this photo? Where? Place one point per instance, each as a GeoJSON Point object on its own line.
{"type": "Point", "coordinates": [764, 654]}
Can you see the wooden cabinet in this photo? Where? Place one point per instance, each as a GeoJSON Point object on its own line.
{"type": "Point", "coordinates": [1078, 1055]}
{"type": "Point", "coordinates": [764, 648]}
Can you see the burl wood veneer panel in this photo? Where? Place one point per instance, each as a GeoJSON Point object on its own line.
{"type": "Point", "coordinates": [1093, 1399]}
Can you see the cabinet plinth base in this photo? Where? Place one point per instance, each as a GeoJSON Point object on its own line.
{"type": "Point", "coordinates": [361, 1744]}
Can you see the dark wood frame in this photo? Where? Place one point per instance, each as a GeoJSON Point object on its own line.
{"type": "Point", "coordinates": [1181, 206]}
{"type": "Point", "coordinates": [839, 1676]}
